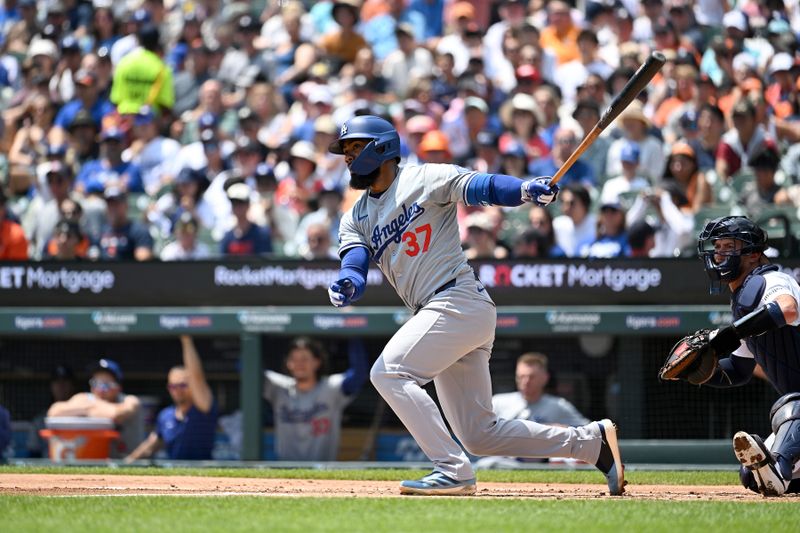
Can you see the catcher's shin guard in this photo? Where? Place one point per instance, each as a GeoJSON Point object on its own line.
{"type": "Point", "coordinates": [755, 457]}
{"type": "Point", "coordinates": [785, 418]}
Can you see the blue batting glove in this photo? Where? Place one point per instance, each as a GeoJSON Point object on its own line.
{"type": "Point", "coordinates": [538, 191]}
{"type": "Point", "coordinates": [341, 292]}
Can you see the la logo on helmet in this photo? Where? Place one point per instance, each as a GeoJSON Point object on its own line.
{"type": "Point", "coordinates": [344, 130]}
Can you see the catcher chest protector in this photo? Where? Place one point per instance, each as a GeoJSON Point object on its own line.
{"type": "Point", "coordinates": [753, 239]}
{"type": "Point", "coordinates": [785, 418]}
{"type": "Point", "coordinates": [383, 145]}
{"type": "Point", "coordinates": [777, 351]}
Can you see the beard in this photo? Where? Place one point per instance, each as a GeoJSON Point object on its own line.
{"type": "Point", "coordinates": [362, 181]}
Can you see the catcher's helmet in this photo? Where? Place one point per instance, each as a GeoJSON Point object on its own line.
{"type": "Point", "coordinates": [384, 145]}
{"type": "Point", "coordinates": [753, 238]}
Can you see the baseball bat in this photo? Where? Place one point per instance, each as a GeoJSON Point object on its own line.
{"type": "Point", "coordinates": [634, 86]}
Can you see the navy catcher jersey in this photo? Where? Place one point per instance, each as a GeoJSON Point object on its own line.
{"type": "Point", "coordinates": [776, 351]}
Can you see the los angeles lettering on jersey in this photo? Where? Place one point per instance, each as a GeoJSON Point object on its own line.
{"type": "Point", "coordinates": [393, 231]}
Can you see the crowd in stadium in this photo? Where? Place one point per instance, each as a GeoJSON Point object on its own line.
{"type": "Point", "coordinates": [186, 129]}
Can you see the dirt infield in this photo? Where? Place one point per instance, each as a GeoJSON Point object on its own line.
{"type": "Point", "coordinates": [123, 485]}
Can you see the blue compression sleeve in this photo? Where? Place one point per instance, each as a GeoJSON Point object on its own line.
{"type": "Point", "coordinates": [732, 372]}
{"type": "Point", "coordinates": [494, 189]}
{"type": "Point", "coordinates": [355, 263]}
{"type": "Point", "coordinates": [356, 375]}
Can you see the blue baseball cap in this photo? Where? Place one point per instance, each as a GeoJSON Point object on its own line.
{"type": "Point", "coordinates": [94, 186]}
{"type": "Point", "coordinates": [107, 365]}
{"type": "Point", "coordinates": [145, 116]}
{"type": "Point", "coordinates": [112, 133]}
{"type": "Point", "coordinates": [630, 153]}
{"type": "Point", "coordinates": [207, 121]}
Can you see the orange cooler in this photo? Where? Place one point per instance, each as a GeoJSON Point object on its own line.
{"type": "Point", "coordinates": [78, 437]}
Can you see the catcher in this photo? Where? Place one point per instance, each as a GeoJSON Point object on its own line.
{"type": "Point", "coordinates": [764, 301]}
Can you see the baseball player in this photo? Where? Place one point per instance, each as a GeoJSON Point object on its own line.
{"type": "Point", "coordinates": [406, 223]}
{"type": "Point", "coordinates": [764, 301]}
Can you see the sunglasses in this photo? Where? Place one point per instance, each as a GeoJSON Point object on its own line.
{"type": "Point", "coordinates": [177, 386]}
{"type": "Point", "coordinates": [102, 385]}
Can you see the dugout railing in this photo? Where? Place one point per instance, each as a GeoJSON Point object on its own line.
{"type": "Point", "coordinates": [604, 358]}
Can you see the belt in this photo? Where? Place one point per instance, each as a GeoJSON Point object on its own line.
{"type": "Point", "coordinates": [449, 285]}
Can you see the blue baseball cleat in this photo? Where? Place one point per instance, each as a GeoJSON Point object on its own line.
{"type": "Point", "coordinates": [610, 462]}
{"type": "Point", "coordinates": [438, 484]}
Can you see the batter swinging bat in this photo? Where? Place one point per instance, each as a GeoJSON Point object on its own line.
{"type": "Point", "coordinates": [637, 82]}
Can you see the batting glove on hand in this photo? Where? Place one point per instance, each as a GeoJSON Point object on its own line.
{"type": "Point", "coordinates": [341, 292]}
{"type": "Point", "coordinates": [538, 191]}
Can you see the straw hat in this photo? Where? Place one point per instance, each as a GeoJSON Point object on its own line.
{"type": "Point", "coordinates": [520, 102]}
{"type": "Point", "coordinates": [635, 111]}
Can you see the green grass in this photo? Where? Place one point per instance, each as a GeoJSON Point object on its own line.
{"type": "Point", "coordinates": [176, 514]}
{"type": "Point", "coordinates": [504, 476]}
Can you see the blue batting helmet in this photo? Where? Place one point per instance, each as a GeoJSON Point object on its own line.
{"type": "Point", "coordinates": [384, 142]}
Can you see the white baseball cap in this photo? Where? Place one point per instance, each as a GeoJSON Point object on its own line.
{"type": "Point", "coordinates": [780, 61]}
{"type": "Point", "coordinates": [734, 19]}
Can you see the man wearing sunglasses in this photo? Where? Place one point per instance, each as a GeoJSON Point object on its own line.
{"type": "Point", "coordinates": [185, 429]}
{"type": "Point", "coordinates": [106, 400]}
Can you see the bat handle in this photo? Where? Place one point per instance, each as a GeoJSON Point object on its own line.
{"type": "Point", "coordinates": [574, 156]}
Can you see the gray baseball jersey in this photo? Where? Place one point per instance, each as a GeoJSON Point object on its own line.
{"type": "Point", "coordinates": [411, 229]}
{"type": "Point", "coordinates": [548, 409]}
{"type": "Point", "coordinates": [412, 234]}
{"type": "Point", "coordinates": [307, 424]}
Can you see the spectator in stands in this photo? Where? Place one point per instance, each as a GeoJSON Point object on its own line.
{"type": "Point", "coordinates": [745, 139]}
{"type": "Point", "coordinates": [642, 239]}
{"type": "Point", "coordinates": [246, 238]}
{"type": "Point", "coordinates": [87, 97]}
{"type": "Point", "coordinates": [82, 140]}
{"type": "Point", "coordinates": [13, 244]}
{"type": "Point", "coordinates": [531, 402]}
{"type": "Point", "coordinates": [152, 153]}
{"type": "Point", "coordinates": [565, 141]}
{"type": "Point", "coordinates": [635, 128]}
{"type": "Point", "coordinates": [570, 75]}
{"type": "Point", "coordinates": [187, 195]}
{"type": "Point", "coordinates": [44, 211]}
{"type": "Point", "coordinates": [542, 221]}
{"type": "Point", "coordinates": [630, 180]}
{"type": "Point", "coordinates": [487, 155]}
{"type": "Point", "coordinates": [296, 189]}
{"type": "Point", "coordinates": [30, 141]}
{"type": "Point", "coordinates": [586, 114]}
{"type": "Point", "coordinates": [186, 428]}
{"type": "Point", "coordinates": [462, 129]}
{"type": "Point", "coordinates": [185, 246]}
{"type": "Point", "coordinates": [560, 36]}
{"type": "Point", "coordinates": [106, 400]}
{"type": "Point", "coordinates": [513, 159]}
{"type": "Point", "coordinates": [122, 238]}
{"type": "Point", "coordinates": [763, 192]}
{"type": "Point", "coordinates": [674, 218]}
{"type": "Point", "coordinates": [308, 405]}
{"type": "Point", "coordinates": [522, 119]}
{"type": "Point", "coordinates": [548, 99]}
{"type": "Point", "coordinates": [530, 243]}
{"type": "Point", "coordinates": [782, 93]}
{"type": "Point", "coordinates": [188, 81]}
{"type": "Point", "coordinates": [67, 237]}
{"type": "Point", "coordinates": [318, 243]}
{"type": "Point", "coordinates": [611, 240]}
{"type": "Point", "coordinates": [710, 127]}
{"type": "Point", "coordinates": [434, 147]}
{"type": "Point", "coordinates": [341, 45]}
{"type": "Point", "coordinates": [682, 169]}
{"type": "Point", "coordinates": [141, 78]}
{"type": "Point", "coordinates": [481, 239]}
{"type": "Point", "coordinates": [5, 432]}
{"type": "Point", "coordinates": [110, 169]}
{"type": "Point", "coordinates": [409, 60]}
{"type": "Point", "coordinates": [576, 226]}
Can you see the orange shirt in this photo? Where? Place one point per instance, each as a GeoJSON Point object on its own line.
{"type": "Point", "coordinates": [565, 47]}
{"type": "Point", "coordinates": [666, 109]}
{"type": "Point", "coordinates": [345, 48]}
{"type": "Point", "coordinates": [13, 244]}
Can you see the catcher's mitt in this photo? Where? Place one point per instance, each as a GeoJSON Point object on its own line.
{"type": "Point", "coordinates": [692, 359]}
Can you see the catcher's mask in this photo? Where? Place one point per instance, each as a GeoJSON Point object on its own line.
{"type": "Point", "coordinates": [753, 238]}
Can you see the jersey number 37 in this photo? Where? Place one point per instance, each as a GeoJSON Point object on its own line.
{"type": "Point", "coordinates": [413, 243]}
